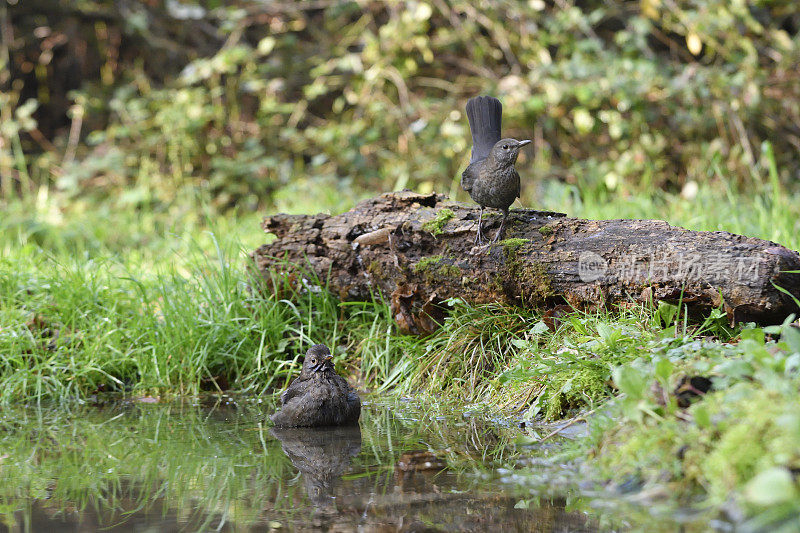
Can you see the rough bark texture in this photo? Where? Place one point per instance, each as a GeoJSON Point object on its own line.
{"type": "Point", "coordinates": [417, 251]}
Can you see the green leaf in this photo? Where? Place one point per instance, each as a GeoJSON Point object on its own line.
{"type": "Point", "coordinates": [664, 369]}
{"type": "Point", "coordinates": [735, 368]}
{"type": "Point", "coordinates": [792, 363]}
{"type": "Point", "coordinates": [791, 335]}
{"type": "Point", "coordinates": [667, 312]}
{"type": "Point", "coordinates": [755, 334]}
{"type": "Point", "coordinates": [539, 328]}
{"type": "Point", "coordinates": [701, 416]}
{"type": "Point", "coordinates": [525, 440]}
{"type": "Point", "coordinates": [630, 380]}
{"type": "Point", "coordinates": [772, 486]}
{"type": "Point", "coordinates": [520, 343]}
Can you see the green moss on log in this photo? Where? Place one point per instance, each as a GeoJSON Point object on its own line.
{"type": "Point", "coordinates": [426, 263]}
{"type": "Point", "coordinates": [435, 267]}
{"type": "Point", "coordinates": [436, 225]}
{"type": "Point", "coordinates": [513, 245]}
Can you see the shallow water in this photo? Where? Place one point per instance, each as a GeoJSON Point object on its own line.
{"type": "Point", "coordinates": [136, 466]}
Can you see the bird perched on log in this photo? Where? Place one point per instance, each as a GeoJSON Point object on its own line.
{"type": "Point", "coordinates": [490, 179]}
{"type": "Point", "coordinates": [318, 396]}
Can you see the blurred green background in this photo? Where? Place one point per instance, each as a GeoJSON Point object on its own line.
{"type": "Point", "coordinates": [311, 105]}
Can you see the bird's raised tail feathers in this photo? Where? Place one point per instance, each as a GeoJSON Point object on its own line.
{"type": "Point", "coordinates": [485, 114]}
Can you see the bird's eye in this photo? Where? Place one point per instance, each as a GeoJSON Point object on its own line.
{"type": "Point", "coordinates": [505, 147]}
{"type": "Point", "coordinates": [313, 361]}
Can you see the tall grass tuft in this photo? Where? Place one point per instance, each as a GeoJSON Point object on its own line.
{"type": "Point", "coordinates": [472, 347]}
{"type": "Point", "coordinates": [79, 317]}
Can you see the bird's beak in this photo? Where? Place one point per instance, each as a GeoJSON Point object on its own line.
{"type": "Point", "coordinates": [523, 143]}
{"type": "Point", "coordinates": [321, 365]}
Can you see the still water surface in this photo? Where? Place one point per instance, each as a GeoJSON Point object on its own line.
{"type": "Point", "coordinates": [217, 465]}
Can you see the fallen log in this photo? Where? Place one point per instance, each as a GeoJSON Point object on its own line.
{"type": "Point", "coordinates": [417, 250]}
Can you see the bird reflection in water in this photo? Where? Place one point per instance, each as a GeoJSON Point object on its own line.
{"type": "Point", "coordinates": [322, 455]}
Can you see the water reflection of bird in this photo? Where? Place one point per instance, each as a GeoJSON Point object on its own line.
{"type": "Point", "coordinates": [318, 396]}
{"type": "Point", "coordinates": [321, 455]}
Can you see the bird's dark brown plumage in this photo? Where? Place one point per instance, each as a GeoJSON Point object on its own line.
{"type": "Point", "coordinates": [491, 179]}
{"type": "Point", "coordinates": [318, 396]}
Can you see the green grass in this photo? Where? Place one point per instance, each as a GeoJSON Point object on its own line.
{"type": "Point", "coordinates": [738, 445]}
{"type": "Point", "coordinates": [97, 299]}
{"type": "Point", "coordinates": [82, 310]}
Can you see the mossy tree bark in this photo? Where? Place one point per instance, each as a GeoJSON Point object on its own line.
{"type": "Point", "coordinates": [417, 250]}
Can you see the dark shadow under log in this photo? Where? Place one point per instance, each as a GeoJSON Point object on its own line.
{"type": "Point", "coordinates": [417, 251]}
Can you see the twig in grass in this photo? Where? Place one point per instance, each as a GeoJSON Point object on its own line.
{"type": "Point", "coordinates": [74, 133]}
{"type": "Point", "coordinates": [568, 424]}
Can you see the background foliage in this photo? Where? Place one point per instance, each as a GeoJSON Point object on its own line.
{"type": "Point", "coordinates": [261, 103]}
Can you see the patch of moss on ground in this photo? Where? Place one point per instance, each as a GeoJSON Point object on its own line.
{"type": "Point", "coordinates": [718, 447]}
{"type": "Point", "coordinates": [546, 231]}
{"type": "Point", "coordinates": [737, 445]}
{"type": "Point", "coordinates": [559, 383]}
{"type": "Point", "coordinates": [567, 392]}
{"type": "Point", "coordinates": [436, 225]}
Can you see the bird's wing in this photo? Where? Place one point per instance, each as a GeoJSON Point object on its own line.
{"type": "Point", "coordinates": [353, 406]}
{"type": "Point", "coordinates": [353, 401]}
{"type": "Point", "coordinates": [295, 388]}
{"type": "Point", "coordinates": [517, 185]}
{"type": "Point", "coordinates": [468, 177]}
{"type": "Point", "coordinates": [303, 411]}
{"type": "Point", "coordinates": [485, 115]}
{"type": "Point", "coordinates": [287, 395]}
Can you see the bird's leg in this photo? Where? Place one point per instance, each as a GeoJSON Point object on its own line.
{"type": "Point", "coordinates": [479, 234]}
{"type": "Point", "coordinates": [502, 229]}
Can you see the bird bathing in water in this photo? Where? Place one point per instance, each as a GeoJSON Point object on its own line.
{"type": "Point", "coordinates": [318, 396]}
